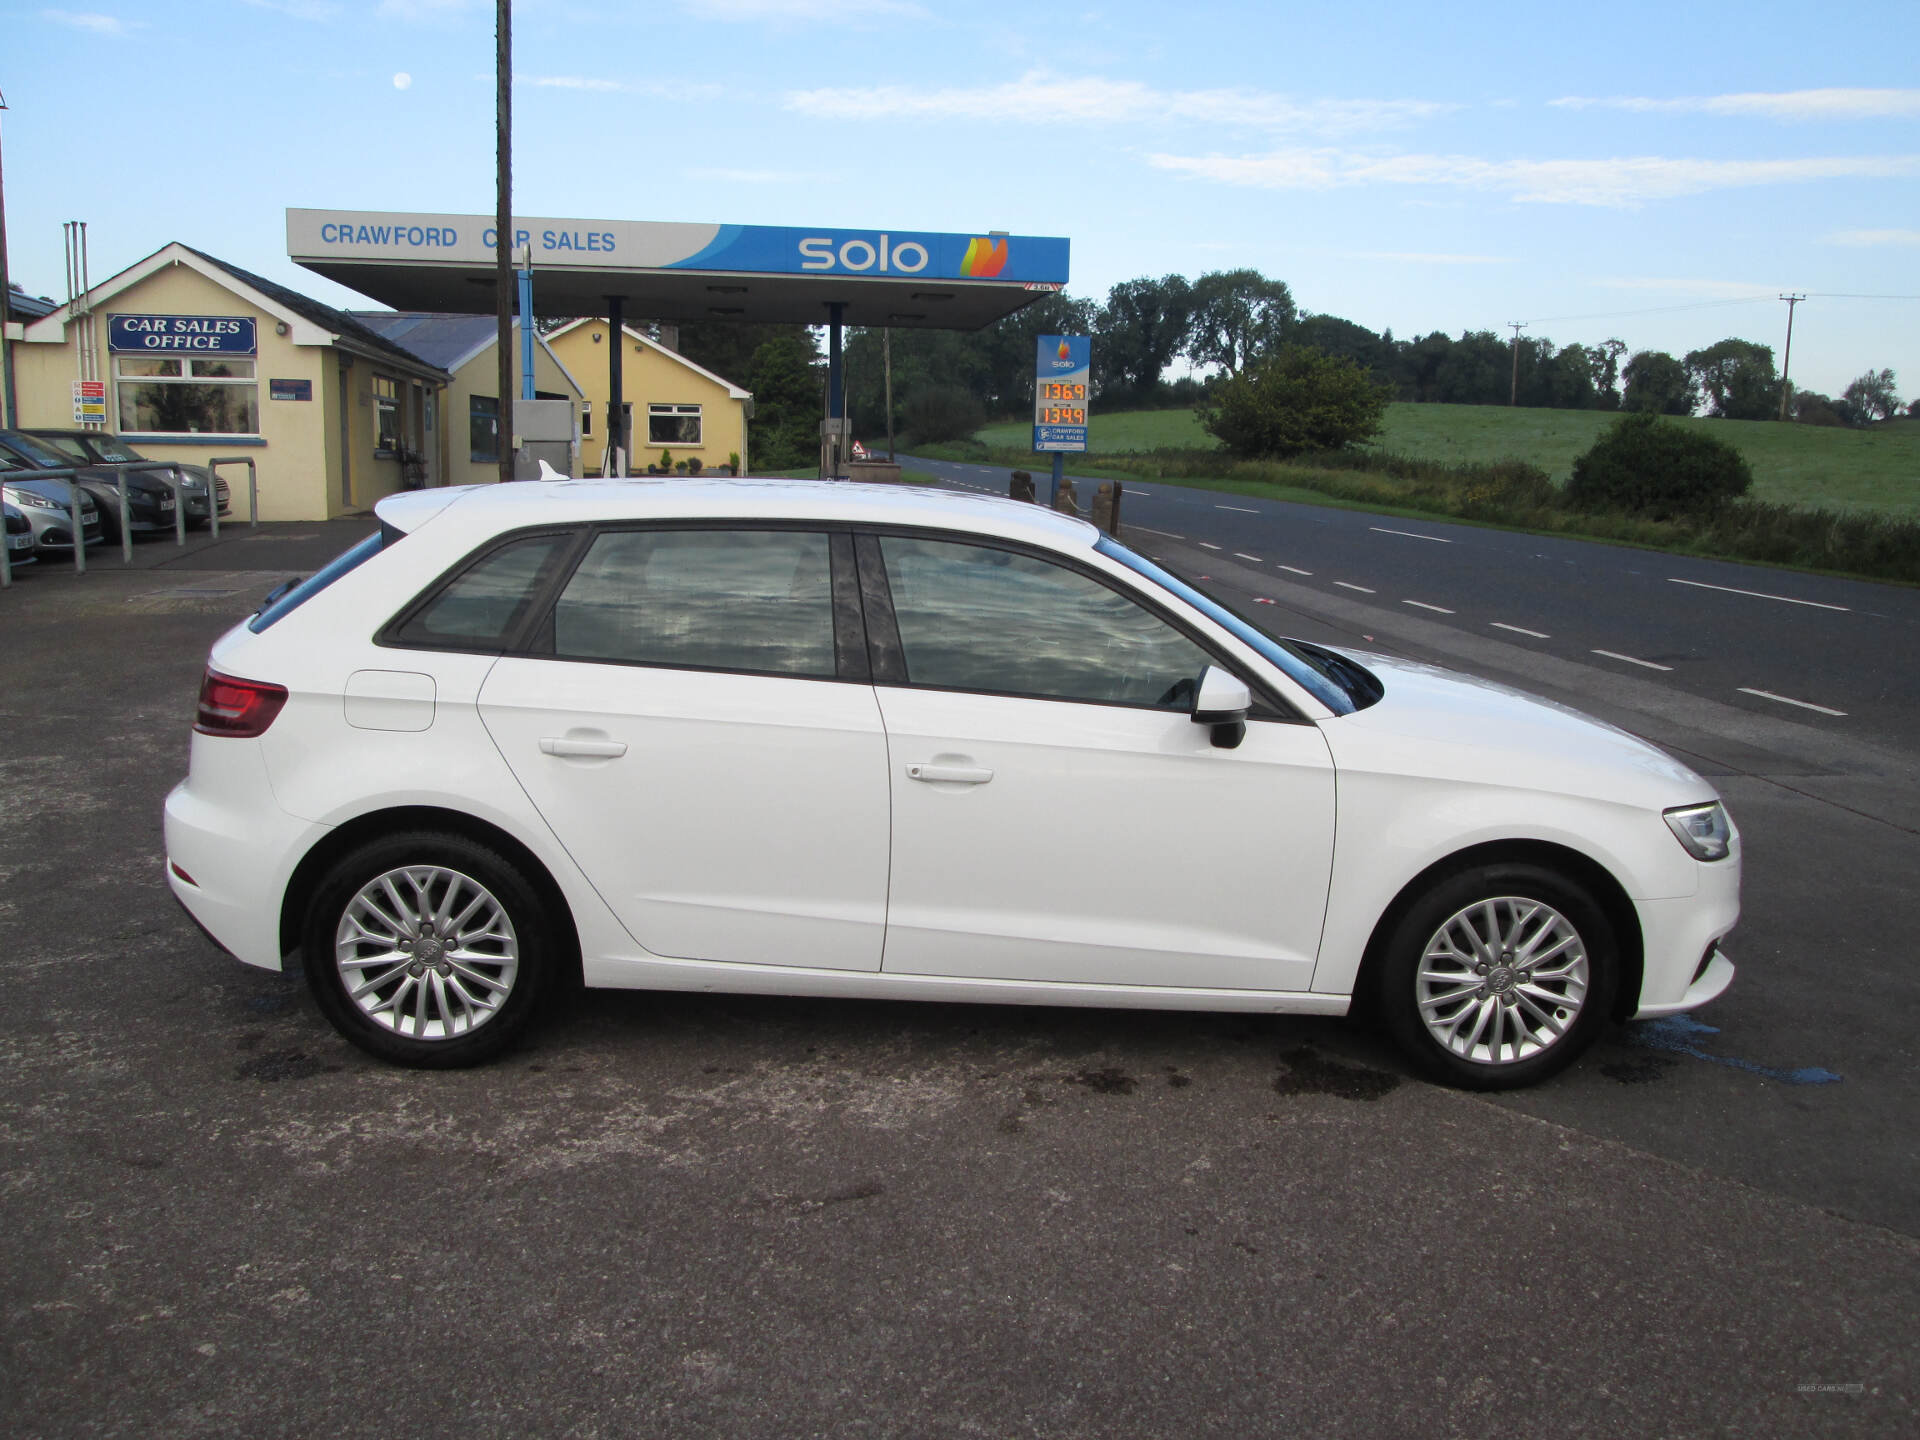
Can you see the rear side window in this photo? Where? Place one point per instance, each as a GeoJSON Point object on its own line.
{"type": "Point", "coordinates": [288, 601]}
{"type": "Point", "coordinates": [482, 606]}
{"type": "Point", "coordinates": [753, 600]}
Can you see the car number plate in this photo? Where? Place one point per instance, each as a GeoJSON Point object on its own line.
{"type": "Point", "coordinates": [19, 542]}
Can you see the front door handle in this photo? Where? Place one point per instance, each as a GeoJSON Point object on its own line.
{"type": "Point", "coordinates": [596, 749]}
{"type": "Point", "coordinates": [950, 774]}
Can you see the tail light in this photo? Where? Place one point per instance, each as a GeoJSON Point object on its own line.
{"type": "Point", "coordinates": [241, 709]}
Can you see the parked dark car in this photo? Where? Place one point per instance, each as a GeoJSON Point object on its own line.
{"type": "Point", "coordinates": [19, 537]}
{"type": "Point", "coordinates": [99, 448]}
{"type": "Point", "coordinates": [150, 498]}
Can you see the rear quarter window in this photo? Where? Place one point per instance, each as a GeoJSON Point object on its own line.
{"type": "Point", "coordinates": [483, 604]}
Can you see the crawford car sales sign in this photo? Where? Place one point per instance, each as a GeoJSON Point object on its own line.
{"type": "Point", "coordinates": [176, 334]}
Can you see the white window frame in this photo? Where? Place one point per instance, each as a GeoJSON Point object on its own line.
{"type": "Point", "coordinates": [386, 401]}
{"type": "Point", "coordinates": [677, 412]}
{"type": "Point", "coordinates": [187, 377]}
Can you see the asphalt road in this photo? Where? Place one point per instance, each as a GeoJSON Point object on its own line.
{"type": "Point", "coordinates": [1807, 644]}
{"type": "Point", "coordinates": [677, 1215]}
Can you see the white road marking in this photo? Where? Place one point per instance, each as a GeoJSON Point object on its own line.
{"type": "Point", "coordinates": [1519, 630]}
{"type": "Point", "coordinates": [1294, 569]}
{"type": "Point", "coordinates": [1615, 655]}
{"type": "Point", "coordinates": [1242, 555]}
{"type": "Point", "coordinates": [1148, 529]}
{"type": "Point", "coordinates": [1784, 700]}
{"type": "Point", "coordinates": [1437, 539]}
{"type": "Point", "coordinates": [1348, 585]}
{"type": "Point", "coordinates": [1205, 546]}
{"type": "Point", "coordinates": [1759, 595]}
{"type": "Point", "coordinates": [1238, 510]}
{"type": "Point", "coordinates": [1422, 605]}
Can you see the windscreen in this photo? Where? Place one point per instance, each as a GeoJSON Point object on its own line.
{"type": "Point", "coordinates": [305, 590]}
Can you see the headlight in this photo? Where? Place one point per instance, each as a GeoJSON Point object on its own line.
{"type": "Point", "coordinates": [35, 500]}
{"type": "Point", "coordinates": [1704, 829]}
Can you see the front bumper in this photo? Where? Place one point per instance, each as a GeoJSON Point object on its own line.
{"type": "Point", "coordinates": [1682, 962]}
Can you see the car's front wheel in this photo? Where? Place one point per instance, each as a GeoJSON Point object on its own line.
{"type": "Point", "coordinates": [428, 949]}
{"type": "Point", "coordinates": [1498, 976]}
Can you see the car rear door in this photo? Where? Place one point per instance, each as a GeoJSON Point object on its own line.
{"type": "Point", "coordinates": [699, 731]}
{"type": "Point", "coordinates": [1056, 814]}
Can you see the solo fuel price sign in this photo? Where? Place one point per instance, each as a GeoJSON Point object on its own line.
{"type": "Point", "coordinates": [1062, 383]}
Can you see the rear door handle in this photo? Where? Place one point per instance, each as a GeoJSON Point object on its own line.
{"type": "Point", "coordinates": [950, 774]}
{"type": "Point", "coordinates": [596, 749]}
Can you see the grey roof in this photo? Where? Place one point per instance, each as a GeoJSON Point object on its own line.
{"type": "Point", "coordinates": [340, 322]}
{"type": "Point", "coordinates": [22, 306]}
{"type": "Point", "coordinates": [442, 340]}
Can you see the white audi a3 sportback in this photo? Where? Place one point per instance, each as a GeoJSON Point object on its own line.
{"type": "Point", "coordinates": [804, 739]}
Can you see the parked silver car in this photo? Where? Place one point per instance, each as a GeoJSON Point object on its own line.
{"type": "Point", "coordinates": [96, 447]}
{"type": "Point", "coordinates": [47, 504]}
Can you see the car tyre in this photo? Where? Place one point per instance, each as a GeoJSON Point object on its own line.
{"type": "Point", "coordinates": [1498, 976]}
{"type": "Point", "coordinates": [429, 949]}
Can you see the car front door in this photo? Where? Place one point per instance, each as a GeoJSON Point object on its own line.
{"type": "Point", "coordinates": [689, 736]}
{"type": "Point", "coordinates": [1057, 816]}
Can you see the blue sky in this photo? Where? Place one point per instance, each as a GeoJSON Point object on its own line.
{"type": "Point", "coordinates": [1656, 172]}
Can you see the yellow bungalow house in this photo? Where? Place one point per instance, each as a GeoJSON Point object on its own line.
{"type": "Point", "coordinates": [672, 404]}
{"type": "Point", "coordinates": [464, 346]}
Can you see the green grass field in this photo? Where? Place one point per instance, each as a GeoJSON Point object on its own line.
{"type": "Point", "coordinates": [1875, 471]}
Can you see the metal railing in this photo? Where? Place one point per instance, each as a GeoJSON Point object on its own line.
{"type": "Point", "coordinates": [253, 489]}
{"type": "Point", "coordinates": [160, 469]}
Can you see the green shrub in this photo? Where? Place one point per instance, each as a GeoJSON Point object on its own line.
{"type": "Point", "coordinates": [1297, 401]}
{"type": "Point", "coordinates": [942, 412]}
{"type": "Point", "coordinates": [1644, 465]}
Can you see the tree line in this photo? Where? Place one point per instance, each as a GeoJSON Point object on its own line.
{"type": "Point", "coordinates": [947, 383]}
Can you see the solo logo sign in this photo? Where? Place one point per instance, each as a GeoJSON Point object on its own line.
{"type": "Point", "coordinates": [984, 258]}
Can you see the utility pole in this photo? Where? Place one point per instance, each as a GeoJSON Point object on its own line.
{"type": "Point", "coordinates": [503, 281]}
{"type": "Point", "coordinates": [1513, 393]}
{"type": "Point", "coordinates": [12, 417]}
{"type": "Point", "coordinates": [1786, 390]}
{"type": "Point", "coordinates": [886, 360]}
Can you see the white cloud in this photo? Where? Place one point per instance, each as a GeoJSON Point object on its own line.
{"type": "Point", "coordinates": [89, 21]}
{"type": "Point", "coordinates": [1780, 105]}
{"type": "Point", "coordinates": [403, 81]}
{"type": "Point", "coordinates": [1415, 257]}
{"type": "Point", "coordinates": [299, 9]}
{"type": "Point", "coordinates": [599, 84]}
{"type": "Point", "coordinates": [828, 11]}
{"type": "Point", "coordinates": [1624, 181]}
{"type": "Point", "coordinates": [1708, 289]}
{"type": "Point", "coordinates": [1872, 237]}
{"type": "Point", "coordinates": [762, 177]}
{"type": "Point", "coordinates": [1043, 97]}
{"type": "Point", "coordinates": [568, 82]}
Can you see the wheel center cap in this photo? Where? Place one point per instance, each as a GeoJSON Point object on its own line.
{"type": "Point", "coordinates": [1500, 979]}
{"type": "Point", "coordinates": [428, 952]}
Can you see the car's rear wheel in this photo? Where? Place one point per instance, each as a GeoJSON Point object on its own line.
{"type": "Point", "coordinates": [1498, 976]}
{"type": "Point", "coordinates": [428, 949]}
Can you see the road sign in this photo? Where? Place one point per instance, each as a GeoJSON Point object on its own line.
{"type": "Point", "coordinates": [1062, 385]}
{"type": "Point", "coordinates": [89, 402]}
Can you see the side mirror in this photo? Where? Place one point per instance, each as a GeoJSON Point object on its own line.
{"type": "Point", "coordinates": [1222, 701]}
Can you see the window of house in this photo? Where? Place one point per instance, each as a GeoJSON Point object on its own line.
{"type": "Point", "coordinates": [673, 425]}
{"type": "Point", "coordinates": [386, 415]}
{"type": "Point", "coordinates": [483, 430]}
{"type": "Point", "coordinates": [186, 395]}
{"type": "Point", "coordinates": [586, 419]}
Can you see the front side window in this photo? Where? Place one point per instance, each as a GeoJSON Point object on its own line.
{"type": "Point", "coordinates": [972, 617]}
{"type": "Point", "coordinates": [673, 425]}
{"type": "Point", "coordinates": [483, 430]}
{"type": "Point", "coordinates": [186, 395]}
{"type": "Point", "coordinates": [753, 600]}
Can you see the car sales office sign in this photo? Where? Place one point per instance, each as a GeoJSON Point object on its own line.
{"type": "Point", "coordinates": [181, 334]}
{"type": "Point", "coordinates": [1062, 382]}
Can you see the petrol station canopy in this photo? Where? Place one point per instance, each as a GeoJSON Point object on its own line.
{"type": "Point", "coordinates": [685, 272]}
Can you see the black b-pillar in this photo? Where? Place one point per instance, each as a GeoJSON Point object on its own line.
{"type": "Point", "coordinates": [616, 406]}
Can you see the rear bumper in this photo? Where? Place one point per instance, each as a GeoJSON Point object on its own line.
{"type": "Point", "coordinates": [237, 860]}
